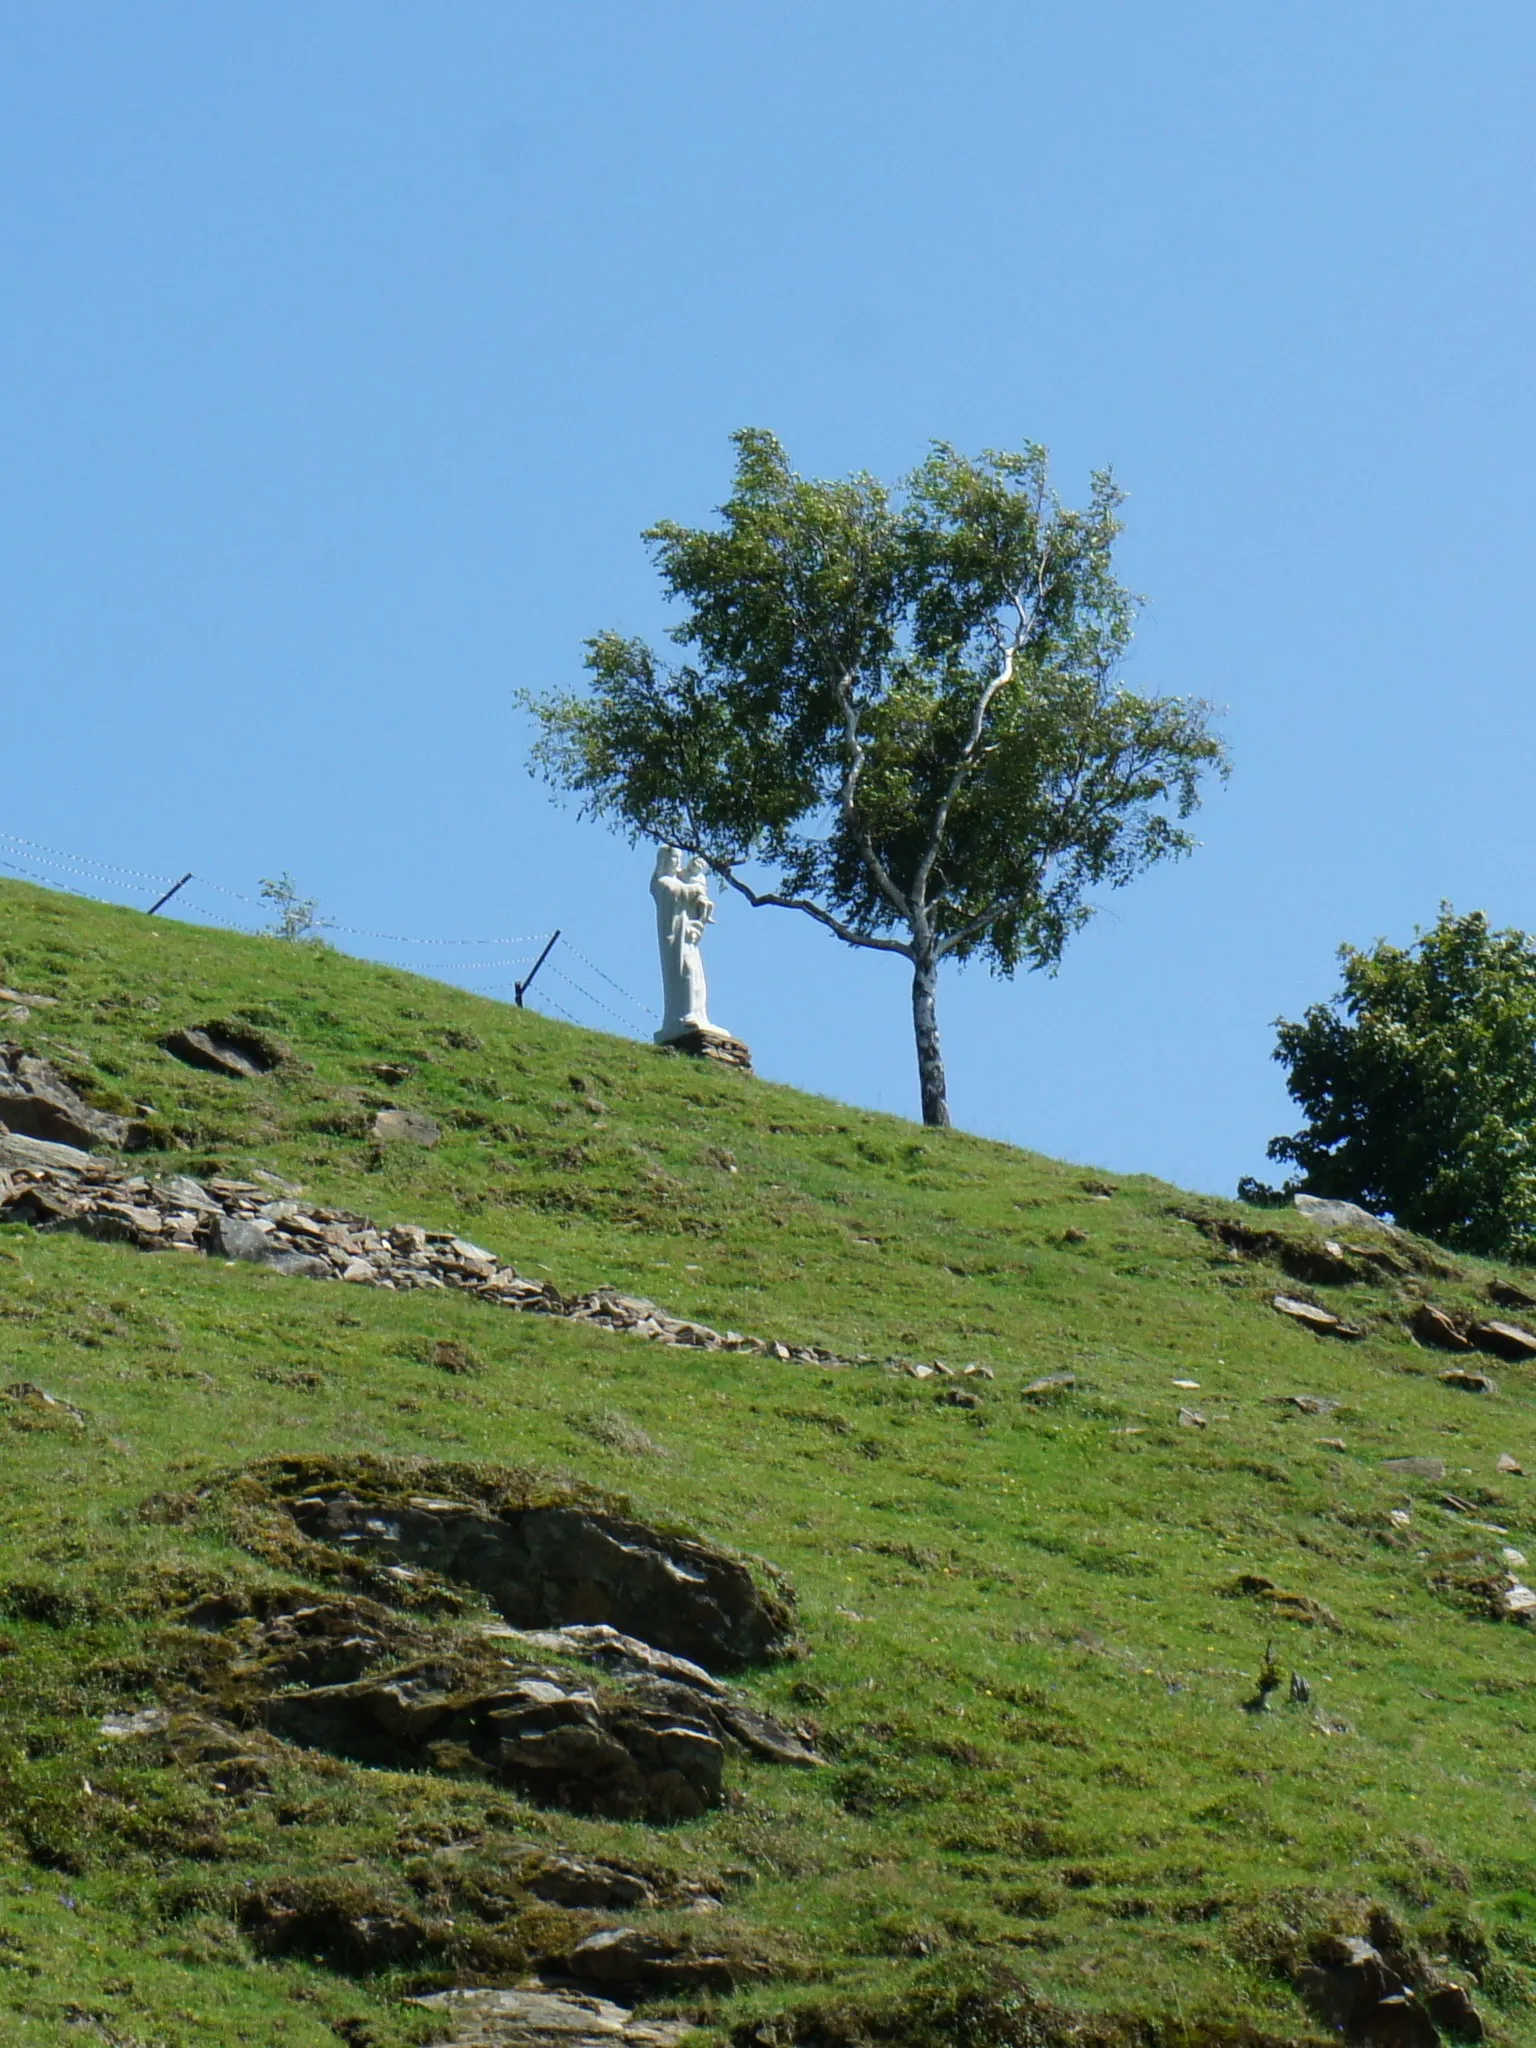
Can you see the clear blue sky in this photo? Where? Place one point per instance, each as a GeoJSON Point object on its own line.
{"type": "Point", "coordinates": [345, 349]}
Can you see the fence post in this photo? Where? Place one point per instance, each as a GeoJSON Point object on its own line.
{"type": "Point", "coordinates": [169, 894]}
{"type": "Point", "coordinates": [519, 988]}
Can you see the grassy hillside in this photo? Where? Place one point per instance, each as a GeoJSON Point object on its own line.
{"type": "Point", "coordinates": [1032, 1628]}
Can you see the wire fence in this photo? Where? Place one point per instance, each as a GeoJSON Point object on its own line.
{"type": "Point", "coordinates": [514, 960]}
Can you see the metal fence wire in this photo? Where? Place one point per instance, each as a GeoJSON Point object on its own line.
{"type": "Point", "coordinates": [34, 861]}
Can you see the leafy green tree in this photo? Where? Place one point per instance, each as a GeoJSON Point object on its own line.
{"type": "Point", "coordinates": [903, 701]}
{"type": "Point", "coordinates": [1418, 1080]}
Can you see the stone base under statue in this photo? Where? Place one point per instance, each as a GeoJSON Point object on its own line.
{"type": "Point", "coordinates": [710, 1045]}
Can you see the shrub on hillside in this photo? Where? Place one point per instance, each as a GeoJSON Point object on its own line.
{"type": "Point", "coordinates": [1418, 1079]}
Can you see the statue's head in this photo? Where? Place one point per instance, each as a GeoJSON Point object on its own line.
{"type": "Point", "coordinates": [697, 869]}
{"type": "Point", "coordinates": [669, 860]}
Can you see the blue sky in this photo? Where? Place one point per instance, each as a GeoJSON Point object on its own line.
{"type": "Point", "coordinates": [345, 350]}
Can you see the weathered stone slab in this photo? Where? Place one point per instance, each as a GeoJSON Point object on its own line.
{"type": "Point", "coordinates": [1505, 1340]}
{"type": "Point", "coordinates": [1415, 1468]}
{"type": "Point", "coordinates": [36, 1102]}
{"type": "Point", "coordinates": [40, 1152]}
{"type": "Point", "coordinates": [1340, 1215]}
{"type": "Point", "coordinates": [238, 1055]}
{"type": "Point", "coordinates": [405, 1127]}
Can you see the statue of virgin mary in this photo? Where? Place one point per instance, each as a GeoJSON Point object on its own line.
{"type": "Point", "coordinates": [680, 887]}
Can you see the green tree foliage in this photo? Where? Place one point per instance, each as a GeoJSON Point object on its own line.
{"type": "Point", "coordinates": [905, 702]}
{"type": "Point", "coordinates": [1418, 1080]}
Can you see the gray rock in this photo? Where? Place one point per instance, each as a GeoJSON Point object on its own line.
{"type": "Point", "coordinates": [300, 1265]}
{"type": "Point", "coordinates": [40, 1153]}
{"type": "Point", "coordinates": [56, 1186]}
{"type": "Point", "coordinates": [1433, 1326]}
{"type": "Point", "coordinates": [125, 1727]}
{"type": "Point", "coordinates": [405, 1127]}
{"type": "Point", "coordinates": [1351, 1986]}
{"type": "Point", "coordinates": [1505, 1340]}
{"type": "Point", "coordinates": [763, 1736]}
{"type": "Point", "coordinates": [555, 1742]}
{"type": "Point", "coordinates": [605, 1887]}
{"type": "Point", "coordinates": [545, 2019]}
{"type": "Point", "coordinates": [1415, 1468]}
{"type": "Point", "coordinates": [599, 1644]}
{"type": "Point", "coordinates": [52, 1204]}
{"type": "Point", "coordinates": [640, 1961]}
{"type": "Point", "coordinates": [30, 1395]}
{"type": "Point", "coordinates": [545, 1567]}
{"type": "Point", "coordinates": [1469, 1382]}
{"type": "Point", "coordinates": [679, 1681]}
{"type": "Point", "coordinates": [718, 1046]}
{"type": "Point", "coordinates": [1449, 2006]}
{"type": "Point", "coordinates": [1321, 1320]}
{"type": "Point", "coordinates": [232, 1237]}
{"type": "Point", "coordinates": [36, 1102]}
{"type": "Point", "coordinates": [1340, 1215]}
{"type": "Point", "coordinates": [239, 1056]}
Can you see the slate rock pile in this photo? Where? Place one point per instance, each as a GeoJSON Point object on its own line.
{"type": "Point", "coordinates": [58, 1186]}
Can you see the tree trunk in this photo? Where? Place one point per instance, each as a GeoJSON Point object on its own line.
{"type": "Point", "coordinates": [925, 1024]}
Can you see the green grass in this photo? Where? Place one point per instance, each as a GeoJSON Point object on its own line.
{"type": "Point", "coordinates": [1022, 1650]}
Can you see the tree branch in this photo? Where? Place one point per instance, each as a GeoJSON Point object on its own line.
{"type": "Point", "coordinates": [855, 768]}
{"type": "Point", "coordinates": [1029, 618]}
{"type": "Point", "coordinates": [962, 768]}
{"type": "Point", "coordinates": [969, 931]}
{"type": "Point", "coordinates": [845, 932]}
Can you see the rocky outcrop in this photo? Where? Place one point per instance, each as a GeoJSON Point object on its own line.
{"type": "Point", "coordinates": [635, 1962]}
{"type": "Point", "coordinates": [643, 1755]}
{"type": "Point", "coordinates": [229, 1049]}
{"type": "Point", "coordinates": [543, 1567]}
{"type": "Point", "coordinates": [544, 2019]}
{"type": "Point", "coordinates": [1381, 1992]}
{"type": "Point", "coordinates": [1434, 1327]}
{"type": "Point", "coordinates": [634, 1735]}
{"type": "Point", "coordinates": [1350, 1985]}
{"type": "Point", "coordinates": [36, 1102]}
{"type": "Point", "coordinates": [1445, 1331]}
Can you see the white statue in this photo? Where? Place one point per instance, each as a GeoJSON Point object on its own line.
{"type": "Point", "coordinates": [680, 886]}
